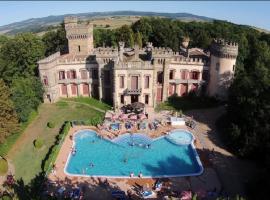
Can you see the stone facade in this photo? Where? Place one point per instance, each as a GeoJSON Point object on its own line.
{"type": "Point", "coordinates": [126, 75]}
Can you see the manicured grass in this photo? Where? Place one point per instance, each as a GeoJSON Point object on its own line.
{"type": "Point", "coordinates": [5, 147]}
{"type": "Point", "coordinates": [3, 166]}
{"type": "Point", "coordinates": [25, 157]}
{"type": "Point", "coordinates": [91, 101]}
{"type": "Point", "coordinates": [187, 103]}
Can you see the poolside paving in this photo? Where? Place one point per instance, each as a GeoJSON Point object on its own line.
{"type": "Point", "coordinates": [94, 187]}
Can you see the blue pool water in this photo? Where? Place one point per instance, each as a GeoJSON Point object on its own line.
{"type": "Point", "coordinates": [135, 153]}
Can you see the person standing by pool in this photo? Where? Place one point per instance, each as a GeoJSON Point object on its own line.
{"type": "Point", "coordinates": [131, 174]}
{"type": "Point", "coordinates": [140, 175]}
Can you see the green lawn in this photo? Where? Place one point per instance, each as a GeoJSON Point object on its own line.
{"type": "Point", "coordinates": [90, 101]}
{"type": "Point", "coordinates": [27, 159]}
{"type": "Point", "coordinates": [187, 103]}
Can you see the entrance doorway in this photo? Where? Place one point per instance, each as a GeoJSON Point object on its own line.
{"type": "Point", "coordinates": [134, 98]}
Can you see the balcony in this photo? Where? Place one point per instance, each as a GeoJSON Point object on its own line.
{"type": "Point", "coordinates": [132, 91]}
{"type": "Point", "coordinates": [77, 81]}
{"type": "Point", "coordinates": [178, 81]}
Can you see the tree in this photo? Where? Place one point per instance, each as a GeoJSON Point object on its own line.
{"type": "Point", "coordinates": [19, 56]}
{"type": "Point", "coordinates": [8, 118]}
{"type": "Point", "coordinates": [55, 41]}
{"type": "Point", "coordinates": [27, 94]}
{"type": "Point", "coordinates": [138, 39]}
{"type": "Point", "coordinates": [125, 34]}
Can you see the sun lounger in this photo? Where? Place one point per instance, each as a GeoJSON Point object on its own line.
{"type": "Point", "coordinates": [148, 194]}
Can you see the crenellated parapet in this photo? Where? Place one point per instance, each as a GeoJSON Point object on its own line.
{"type": "Point", "coordinates": [105, 51]}
{"type": "Point", "coordinates": [224, 49]}
{"type": "Point", "coordinates": [51, 58]}
{"type": "Point", "coordinates": [176, 59]}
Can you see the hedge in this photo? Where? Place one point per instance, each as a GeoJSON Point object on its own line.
{"type": "Point", "coordinates": [55, 148]}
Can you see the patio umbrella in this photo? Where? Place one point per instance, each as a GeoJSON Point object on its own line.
{"type": "Point", "coordinates": [142, 116]}
{"type": "Point", "coordinates": [186, 195]}
{"type": "Point", "coordinates": [137, 105]}
{"type": "Point", "coordinates": [114, 117]}
{"type": "Point", "coordinates": [134, 117]}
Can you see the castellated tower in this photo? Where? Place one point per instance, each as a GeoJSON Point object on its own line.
{"type": "Point", "coordinates": [80, 36]}
{"type": "Point", "coordinates": [222, 67]}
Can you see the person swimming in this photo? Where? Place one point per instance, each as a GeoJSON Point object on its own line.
{"type": "Point", "coordinates": [91, 164]}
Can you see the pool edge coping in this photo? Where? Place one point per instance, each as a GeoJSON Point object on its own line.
{"type": "Point", "coordinates": [196, 155]}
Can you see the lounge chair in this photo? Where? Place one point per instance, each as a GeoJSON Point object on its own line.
{"type": "Point", "coordinates": [148, 194]}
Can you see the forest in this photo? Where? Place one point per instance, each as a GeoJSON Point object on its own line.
{"type": "Point", "coordinates": [246, 125]}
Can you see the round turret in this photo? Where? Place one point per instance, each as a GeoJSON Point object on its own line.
{"type": "Point", "coordinates": [222, 67]}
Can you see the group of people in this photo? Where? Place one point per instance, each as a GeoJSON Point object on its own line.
{"type": "Point", "coordinates": [140, 175]}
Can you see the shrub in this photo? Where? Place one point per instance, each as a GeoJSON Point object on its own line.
{"type": "Point", "coordinates": [3, 166]}
{"type": "Point", "coordinates": [6, 197]}
{"type": "Point", "coordinates": [38, 143]}
{"type": "Point", "coordinates": [50, 125]}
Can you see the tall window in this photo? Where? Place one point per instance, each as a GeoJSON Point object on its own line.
{"type": "Point", "coordinates": [121, 81]}
{"type": "Point", "coordinates": [122, 100]}
{"type": "Point", "coordinates": [171, 74]}
{"type": "Point", "coordinates": [79, 48]}
{"type": "Point", "coordinates": [160, 77]}
{"type": "Point", "coordinates": [146, 99]}
{"type": "Point", "coordinates": [184, 74]}
{"type": "Point", "coordinates": [83, 74]}
{"type": "Point", "coordinates": [205, 75]}
{"type": "Point", "coordinates": [61, 75]}
{"type": "Point", "coordinates": [45, 80]}
{"type": "Point", "coordinates": [194, 75]}
{"type": "Point", "coordinates": [134, 82]}
{"type": "Point", "coordinates": [146, 82]}
{"type": "Point", "coordinates": [107, 79]}
{"type": "Point", "coordinates": [73, 74]}
{"type": "Point", "coordinates": [68, 74]}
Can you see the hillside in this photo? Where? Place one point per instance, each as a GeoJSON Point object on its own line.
{"type": "Point", "coordinates": [100, 19]}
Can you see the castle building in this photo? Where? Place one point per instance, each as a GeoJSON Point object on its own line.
{"type": "Point", "coordinates": [126, 75]}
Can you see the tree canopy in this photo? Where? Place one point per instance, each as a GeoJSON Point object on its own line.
{"type": "Point", "coordinates": [8, 117]}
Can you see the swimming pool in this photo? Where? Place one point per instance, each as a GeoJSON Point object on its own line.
{"type": "Point", "coordinates": [133, 153]}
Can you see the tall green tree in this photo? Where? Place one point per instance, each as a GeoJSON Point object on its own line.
{"type": "Point", "coordinates": [55, 41]}
{"type": "Point", "coordinates": [8, 118]}
{"type": "Point", "coordinates": [19, 56]}
{"type": "Point", "coordinates": [125, 34]}
{"type": "Point", "coordinates": [27, 94]}
{"type": "Point", "coordinates": [138, 39]}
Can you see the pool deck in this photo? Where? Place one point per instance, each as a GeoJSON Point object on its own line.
{"type": "Point", "coordinates": [93, 187]}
